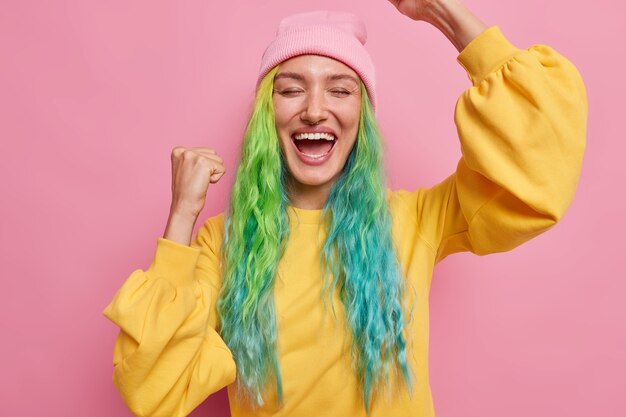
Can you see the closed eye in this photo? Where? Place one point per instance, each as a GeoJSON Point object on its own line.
{"type": "Point", "coordinates": [288, 93]}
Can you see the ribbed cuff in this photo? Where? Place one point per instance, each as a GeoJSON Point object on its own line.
{"type": "Point", "coordinates": [174, 262]}
{"type": "Point", "coordinates": [485, 53]}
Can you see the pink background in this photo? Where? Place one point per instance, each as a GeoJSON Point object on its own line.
{"type": "Point", "coordinates": [95, 94]}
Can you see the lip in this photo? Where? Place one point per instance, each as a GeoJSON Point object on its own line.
{"type": "Point", "coordinates": [314, 129]}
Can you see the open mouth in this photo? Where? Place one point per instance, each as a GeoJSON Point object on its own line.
{"type": "Point", "coordinates": [314, 145]}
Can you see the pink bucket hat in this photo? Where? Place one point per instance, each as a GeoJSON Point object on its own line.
{"type": "Point", "coordinates": [337, 35]}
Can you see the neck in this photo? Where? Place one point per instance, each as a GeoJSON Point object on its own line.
{"type": "Point", "coordinates": [308, 197]}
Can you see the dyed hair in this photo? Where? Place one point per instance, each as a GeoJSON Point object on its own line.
{"type": "Point", "coordinates": [358, 257]}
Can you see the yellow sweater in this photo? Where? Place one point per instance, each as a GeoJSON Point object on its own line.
{"type": "Point", "coordinates": [522, 127]}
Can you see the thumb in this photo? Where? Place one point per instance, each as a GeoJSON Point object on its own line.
{"type": "Point", "coordinates": [216, 175]}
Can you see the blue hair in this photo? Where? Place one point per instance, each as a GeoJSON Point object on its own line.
{"type": "Point", "coordinates": [360, 256]}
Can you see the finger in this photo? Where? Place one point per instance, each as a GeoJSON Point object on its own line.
{"type": "Point", "coordinates": [217, 174]}
{"type": "Point", "coordinates": [204, 149]}
{"type": "Point", "coordinates": [176, 155]}
{"type": "Point", "coordinates": [215, 158]}
{"type": "Point", "coordinates": [208, 153]}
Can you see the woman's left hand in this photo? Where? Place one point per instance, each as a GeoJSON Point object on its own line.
{"type": "Point", "coordinates": [415, 9]}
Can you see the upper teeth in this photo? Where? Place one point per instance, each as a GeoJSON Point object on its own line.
{"type": "Point", "coordinates": [314, 136]}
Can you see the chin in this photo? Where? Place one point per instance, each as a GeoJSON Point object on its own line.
{"type": "Point", "coordinates": [313, 176]}
{"type": "Point", "coordinates": [312, 179]}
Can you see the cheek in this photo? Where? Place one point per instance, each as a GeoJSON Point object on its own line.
{"type": "Point", "coordinates": [350, 113]}
{"type": "Point", "coordinates": [281, 120]}
{"type": "Point", "coordinates": [282, 113]}
{"type": "Point", "coordinates": [351, 128]}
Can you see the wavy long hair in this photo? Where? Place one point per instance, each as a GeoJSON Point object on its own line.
{"type": "Point", "coordinates": [358, 258]}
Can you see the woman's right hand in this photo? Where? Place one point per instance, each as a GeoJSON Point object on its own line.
{"type": "Point", "coordinates": [193, 169]}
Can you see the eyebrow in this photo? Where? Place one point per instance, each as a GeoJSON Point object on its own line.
{"type": "Point", "coordinates": [300, 77]}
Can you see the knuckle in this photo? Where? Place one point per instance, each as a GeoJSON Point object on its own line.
{"type": "Point", "coordinates": [187, 155]}
{"type": "Point", "coordinates": [176, 151]}
{"type": "Point", "coordinates": [206, 164]}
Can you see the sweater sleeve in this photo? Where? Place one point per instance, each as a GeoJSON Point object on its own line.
{"type": "Point", "coordinates": [168, 357]}
{"type": "Point", "coordinates": [522, 128]}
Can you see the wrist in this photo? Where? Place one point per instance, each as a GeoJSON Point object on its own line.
{"type": "Point", "coordinates": [454, 20]}
{"type": "Point", "coordinates": [180, 226]}
{"type": "Point", "coordinates": [185, 211]}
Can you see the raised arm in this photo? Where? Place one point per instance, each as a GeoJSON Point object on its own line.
{"type": "Point", "coordinates": [168, 355]}
{"type": "Point", "coordinates": [451, 17]}
{"type": "Point", "coordinates": [522, 128]}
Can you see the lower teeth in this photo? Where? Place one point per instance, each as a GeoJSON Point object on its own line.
{"type": "Point", "coordinates": [315, 156]}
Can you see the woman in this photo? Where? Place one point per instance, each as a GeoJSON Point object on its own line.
{"type": "Point", "coordinates": [310, 296]}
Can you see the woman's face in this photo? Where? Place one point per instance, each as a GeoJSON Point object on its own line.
{"type": "Point", "coordinates": [317, 105]}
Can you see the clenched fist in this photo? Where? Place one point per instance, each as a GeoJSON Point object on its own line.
{"type": "Point", "coordinates": [193, 169]}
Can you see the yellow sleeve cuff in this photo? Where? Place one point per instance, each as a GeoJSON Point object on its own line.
{"type": "Point", "coordinates": [174, 262]}
{"type": "Point", "coordinates": [486, 53]}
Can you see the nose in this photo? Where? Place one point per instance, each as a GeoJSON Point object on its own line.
{"type": "Point", "coordinates": [315, 110]}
